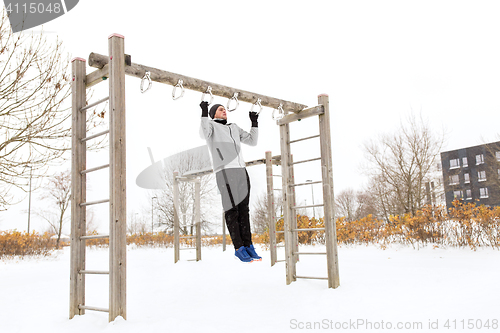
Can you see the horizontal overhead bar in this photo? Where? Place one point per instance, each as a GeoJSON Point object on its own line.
{"type": "Point", "coordinates": [94, 169]}
{"type": "Point", "coordinates": [94, 136]}
{"type": "Point", "coordinates": [309, 137]}
{"type": "Point", "coordinates": [93, 272]}
{"type": "Point", "coordinates": [308, 206]}
{"type": "Point", "coordinates": [308, 183]}
{"type": "Point", "coordinates": [161, 76]}
{"type": "Point", "coordinates": [310, 160]}
{"type": "Point", "coordinates": [94, 237]}
{"type": "Point", "coordinates": [309, 229]}
{"type": "Point", "coordinates": [97, 76]}
{"type": "Point", "coordinates": [92, 308]}
{"type": "Point", "coordinates": [314, 111]}
{"type": "Point", "coordinates": [93, 202]}
{"type": "Point", "coordinates": [94, 104]}
{"type": "Point", "coordinates": [310, 277]}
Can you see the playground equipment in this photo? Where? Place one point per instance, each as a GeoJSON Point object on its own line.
{"type": "Point", "coordinates": [114, 67]}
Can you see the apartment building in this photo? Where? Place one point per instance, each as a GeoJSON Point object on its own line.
{"type": "Point", "coordinates": [472, 174]}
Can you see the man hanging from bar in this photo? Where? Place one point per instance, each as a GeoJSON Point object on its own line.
{"type": "Point", "coordinates": [223, 140]}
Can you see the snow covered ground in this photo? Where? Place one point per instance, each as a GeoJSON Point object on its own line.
{"type": "Point", "coordinates": [398, 289]}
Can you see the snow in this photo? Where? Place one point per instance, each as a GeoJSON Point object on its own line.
{"type": "Point", "coordinates": [219, 294]}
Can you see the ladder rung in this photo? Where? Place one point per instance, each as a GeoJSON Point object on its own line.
{"type": "Point", "coordinates": [188, 214]}
{"type": "Point", "coordinates": [187, 237]}
{"type": "Point", "coordinates": [92, 308]}
{"type": "Point", "coordinates": [187, 248]}
{"type": "Point", "coordinates": [280, 245]}
{"type": "Point", "coordinates": [309, 206]}
{"type": "Point", "coordinates": [310, 277]}
{"type": "Point", "coordinates": [308, 253]}
{"type": "Point", "coordinates": [280, 260]}
{"type": "Point", "coordinates": [192, 260]}
{"type": "Point", "coordinates": [277, 189]}
{"type": "Point", "coordinates": [309, 183]}
{"type": "Point", "coordinates": [304, 161]}
{"type": "Point", "coordinates": [94, 136]}
{"type": "Point", "coordinates": [93, 202]}
{"type": "Point", "coordinates": [309, 137]}
{"type": "Point", "coordinates": [94, 236]}
{"type": "Point", "coordinates": [280, 232]}
{"type": "Point", "coordinates": [94, 104]}
{"type": "Point", "coordinates": [93, 272]}
{"type": "Point", "coordinates": [309, 229]}
{"type": "Point", "coordinates": [277, 176]}
{"type": "Point", "coordinates": [94, 169]}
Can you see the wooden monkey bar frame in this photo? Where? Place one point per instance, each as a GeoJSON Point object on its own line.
{"type": "Point", "coordinates": [115, 66]}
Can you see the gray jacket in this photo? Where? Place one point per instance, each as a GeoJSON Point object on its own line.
{"type": "Point", "coordinates": [224, 143]}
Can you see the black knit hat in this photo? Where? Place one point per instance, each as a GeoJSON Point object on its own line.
{"type": "Point", "coordinates": [213, 110]}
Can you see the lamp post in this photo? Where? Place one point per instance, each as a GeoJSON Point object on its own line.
{"type": "Point", "coordinates": [152, 213]}
{"type": "Point", "coordinates": [29, 201]}
{"type": "Point", "coordinates": [312, 194]}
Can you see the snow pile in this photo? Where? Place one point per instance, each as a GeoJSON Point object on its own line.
{"type": "Point", "coordinates": [380, 290]}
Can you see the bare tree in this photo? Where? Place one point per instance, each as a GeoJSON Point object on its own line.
{"type": "Point", "coordinates": [58, 192]}
{"type": "Point", "coordinates": [35, 126]}
{"type": "Point", "coordinates": [400, 164]}
{"type": "Point", "coordinates": [354, 205]}
{"type": "Point", "coordinates": [260, 212]}
{"type": "Point", "coordinates": [164, 204]}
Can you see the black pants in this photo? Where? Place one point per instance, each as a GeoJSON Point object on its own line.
{"type": "Point", "coordinates": [234, 186]}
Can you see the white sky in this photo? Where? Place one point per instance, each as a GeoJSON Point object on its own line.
{"type": "Point", "coordinates": [377, 60]}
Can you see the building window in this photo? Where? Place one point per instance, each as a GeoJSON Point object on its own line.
{"type": "Point", "coordinates": [465, 162]}
{"type": "Point", "coordinates": [458, 194]}
{"type": "Point", "coordinates": [454, 163]}
{"type": "Point", "coordinates": [497, 154]}
{"type": "Point", "coordinates": [468, 194]}
{"type": "Point", "coordinates": [483, 192]}
{"type": "Point", "coordinates": [479, 159]}
{"type": "Point", "coordinates": [481, 175]}
{"type": "Point", "coordinates": [498, 173]}
{"type": "Point", "coordinates": [466, 178]}
{"type": "Point", "coordinates": [454, 180]}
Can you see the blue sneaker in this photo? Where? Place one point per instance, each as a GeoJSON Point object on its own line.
{"type": "Point", "coordinates": [242, 254]}
{"type": "Point", "coordinates": [251, 252]}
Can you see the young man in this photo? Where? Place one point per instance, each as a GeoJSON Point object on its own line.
{"type": "Point", "coordinates": [223, 140]}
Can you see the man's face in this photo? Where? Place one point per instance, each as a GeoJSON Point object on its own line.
{"type": "Point", "coordinates": [221, 113]}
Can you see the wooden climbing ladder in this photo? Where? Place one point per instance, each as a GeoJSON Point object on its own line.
{"type": "Point", "coordinates": [117, 200]}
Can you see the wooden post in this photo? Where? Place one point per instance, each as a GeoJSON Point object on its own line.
{"type": "Point", "coordinates": [78, 188]}
{"type": "Point", "coordinates": [223, 230]}
{"type": "Point", "coordinates": [118, 198]}
{"type": "Point", "coordinates": [293, 220]}
{"type": "Point", "coordinates": [270, 207]}
{"type": "Point", "coordinates": [176, 216]}
{"type": "Point", "coordinates": [197, 201]}
{"type": "Point", "coordinates": [328, 196]}
{"type": "Point", "coordinates": [287, 201]}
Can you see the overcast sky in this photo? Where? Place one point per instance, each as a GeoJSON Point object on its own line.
{"type": "Point", "coordinates": [377, 60]}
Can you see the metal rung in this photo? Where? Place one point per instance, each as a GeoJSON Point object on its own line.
{"type": "Point", "coordinates": [280, 232]}
{"type": "Point", "coordinates": [280, 260]}
{"type": "Point", "coordinates": [309, 137]}
{"type": "Point", "coordinates": [94, 104]}
{"type": "Point", "coordinates": [309, 229]}
{"type": "Point", "coordinates": [188, 248]}
{"type": "Point", "coordinates": [310, 277]}
{"type": "Point", "coordinates": [94, 236]}
{"type": "Point", "coordinates": [94, 169]}
{"type": "Point", "coordinates": [304, 161]}
{"type": "Point", "coordinates": [94, 136]}
{"type": "Point", "coordinates": [92, 308]}
{"type": "Point", "coordinates": [188, 214]}
{"type": "Point", "coordinates": [309, 253]}
{"type": "Point", "coordinates": [277, 189]}
{"type": "Point", "coordinates": [277, 176]}
{"type": "Point", "coordinates": [93, 272]}
{"type": "Point", "coordinates": [280, 245]}
{"type": "Point", "coordinates": [93, 202]}
{"type": "Point", "coordinates": [309, 183]}
{"type": "Point", "coordinates": [187, 237]}
{"type": "Point", "coordinates": [309, 206]}
{"type": "Point", "coordinates": [192, 260]}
